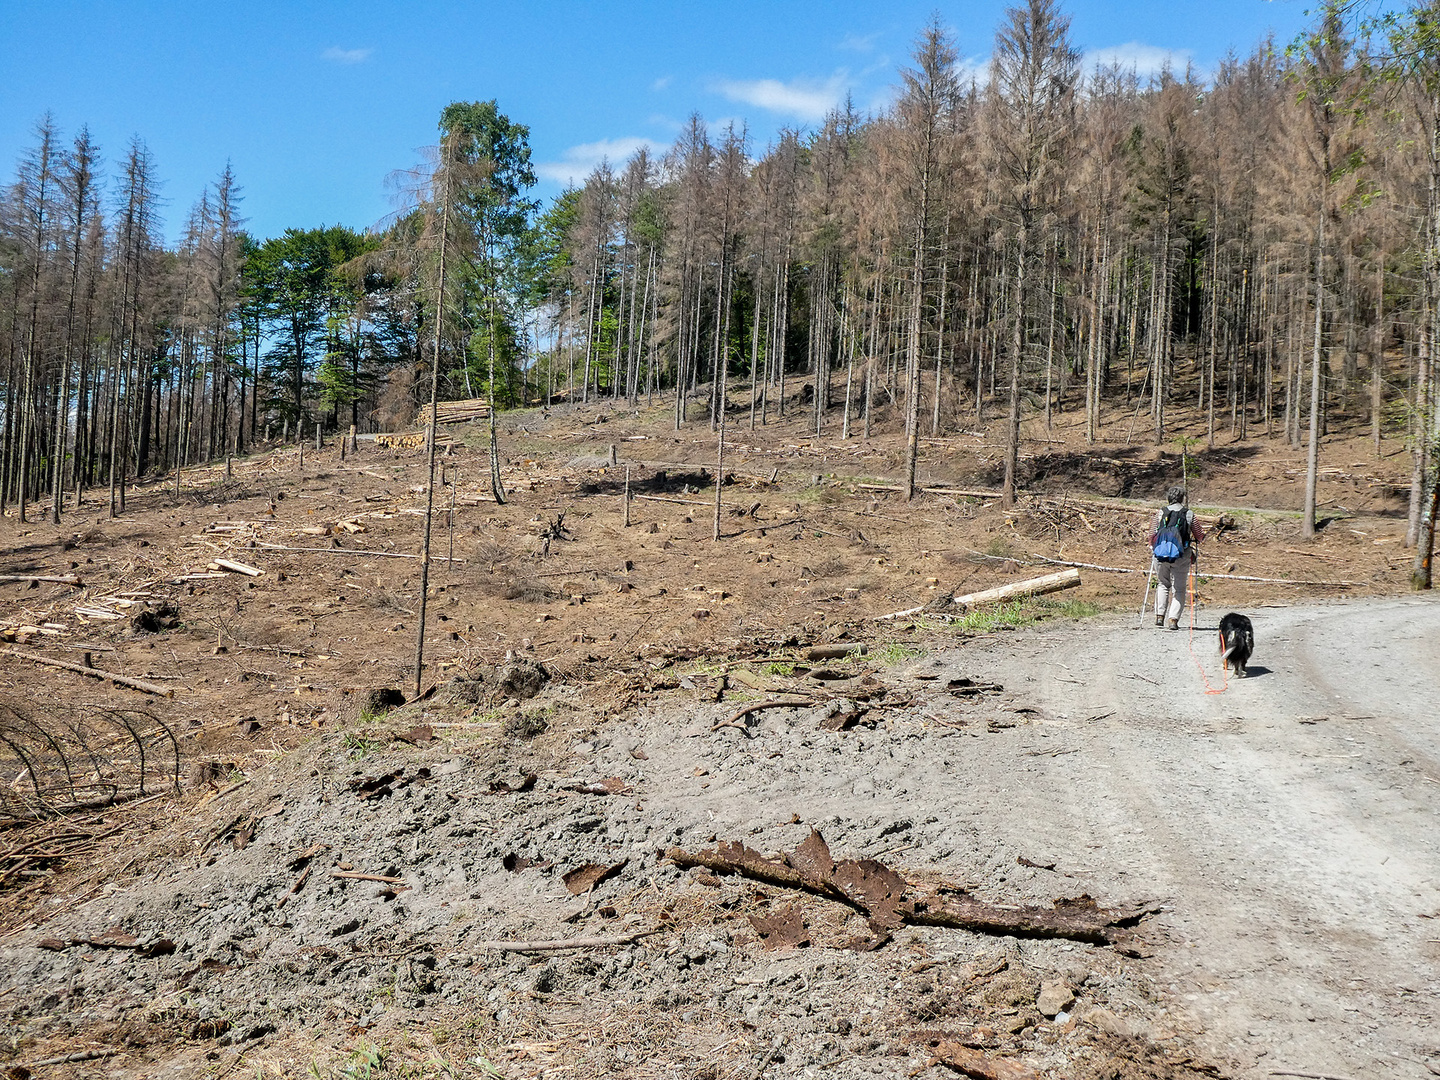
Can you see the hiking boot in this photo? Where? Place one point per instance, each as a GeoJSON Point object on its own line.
{"type": "Point", "coordinates": [1159, 620]}
{"type": "Point", "coordinates": [1174, 624]}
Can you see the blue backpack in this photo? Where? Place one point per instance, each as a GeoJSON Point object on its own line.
{"type": "Point", "coordinates": [1173, 535]}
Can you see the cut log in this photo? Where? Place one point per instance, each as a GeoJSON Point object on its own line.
{"type": "Point", "coordinates": [238, 567]}
{"type": "Point", "coordinates": [43, 579]}
{"type": "Point", "coordinates": [1065, 579]}
{"type": "Point", "coordinates": [835, 652]}
{"type": "Point", "coordinates": [93, 672]}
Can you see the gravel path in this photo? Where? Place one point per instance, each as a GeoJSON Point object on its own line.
{"type": "Point", "coordinates": [1289, 822]}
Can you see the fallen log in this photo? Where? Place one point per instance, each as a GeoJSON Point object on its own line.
{"type": "Point", "coordinates": [93, 672]}
{"type": "Point", "coordinates": [43, 579]}
{"type": "Point", "coordinates": [889, 901]}
{"type": "Point", "coordinates": [1065, 579]}
{"type": "Point", "coordinates": [564, 943]}
{"type": "Point", "coordinates": [662, 498]}
{"type": "Point", "coordinates": [835, 652]}
{"type": "Point", "coordinates": [964, 493]}
{"type": "Point", "coordinates": [341, 551]}
{"type": "Point", "coordinates": [1198, 573]}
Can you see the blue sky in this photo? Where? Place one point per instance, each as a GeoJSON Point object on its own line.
{"type": "Point", "coordinates": [315, 103]}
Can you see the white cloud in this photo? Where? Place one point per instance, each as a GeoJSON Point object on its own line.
{"type": "Point", "coordinates": [858, 43]}
{"type": "Point", "coordinates": [578, 162]}
{"type": "Point", "coordinates": [1144, 59]}
{"type": "Point", "coordinates": [337, 55]}
{"type": "Point", "coordinates": [805, 99]}
{"type": "Point", "coordinates": [662, 83]}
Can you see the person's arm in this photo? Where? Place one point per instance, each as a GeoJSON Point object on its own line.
{"type": "Point", "coordinates": [1196, 532]}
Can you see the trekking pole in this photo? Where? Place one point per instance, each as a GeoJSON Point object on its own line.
{"type": "Point", "coordinates": [1145, 598]}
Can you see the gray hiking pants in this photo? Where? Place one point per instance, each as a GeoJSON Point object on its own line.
{"type": "Point", "coordinates": [1170, 586]}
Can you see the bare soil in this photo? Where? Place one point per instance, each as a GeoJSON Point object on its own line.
{"type": "Point", "coordinates": [1282, 827]}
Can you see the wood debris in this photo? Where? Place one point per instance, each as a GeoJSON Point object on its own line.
{"type": "Point", "coordinates": [889, 901]}
{"type": "Point", "coordinates": [235, 567]}
{"type": "Point", "coordinates": [94, 673]}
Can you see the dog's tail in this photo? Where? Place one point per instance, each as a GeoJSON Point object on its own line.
{"type": "Point", "coordinates": [1227, 647]}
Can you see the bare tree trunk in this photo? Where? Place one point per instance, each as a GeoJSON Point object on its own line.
{"type": "Point", "coordinates": [1377, 359]}
{"type": "Point", "coordinates": [912, 359]}
{"type": "Point", "coordinates": [430, 439]}
{"type": "Point", "coordinates": [1017, 345]}
{"type": "Point", "coordinates": [1312, 454]}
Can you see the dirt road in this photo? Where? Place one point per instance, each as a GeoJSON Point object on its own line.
{"type": "Point", "coordinates": [1289, 823]}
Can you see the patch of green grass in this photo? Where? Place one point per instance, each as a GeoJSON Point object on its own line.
{"type": "Point", "coordinates": [1071, 609]}
{"type": "Point", "coordinates": [366, 1061]}
{"type": "Point", "coordinates": [782, 668]}
{"type": "Point", "coordinates": [822, 493]}
{"type": "Point", "coordinates": [1023, 612]}
{"type": "Point", "coordinates": [1000, 548]}
{"type": "Point", "coordinates": [992, 617]}
{"type": "Point", "coordinates": [361, 744]}
{"type": "Point", "coordinates": [896, 653]}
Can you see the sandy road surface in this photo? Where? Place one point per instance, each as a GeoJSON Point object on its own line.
{"type": "Point", "coordinates": [1289, 823]}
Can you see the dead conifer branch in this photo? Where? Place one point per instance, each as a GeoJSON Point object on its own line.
{"type": "Point", "coordinates": [889, 901]}
{"type": "Point", "coordinates": [565, 943]}
{"type": "Point", "coordinates": [759, 706]}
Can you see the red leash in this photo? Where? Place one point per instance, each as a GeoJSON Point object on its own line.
{"type": "Point", "coordinates": [1199, 666]}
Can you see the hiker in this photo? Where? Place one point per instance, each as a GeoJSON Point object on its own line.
{"type": "Point", "coordinates": [1173, 543]}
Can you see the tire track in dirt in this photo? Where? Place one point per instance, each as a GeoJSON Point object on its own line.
{"type": "Point", "coordinates": [1290, 821]}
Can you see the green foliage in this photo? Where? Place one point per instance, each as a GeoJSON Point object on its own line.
{"type": "Point", "coordinates": [303, 292]}
{"type": "Point", "coordinates": [478, 190]}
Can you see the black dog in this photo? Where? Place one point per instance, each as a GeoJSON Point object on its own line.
{"type": "Point", "coordinates": [1237, 642]}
